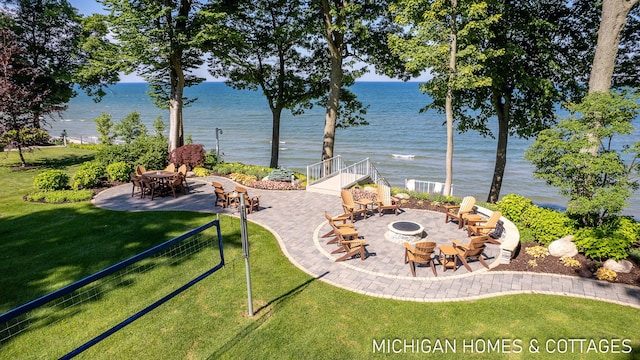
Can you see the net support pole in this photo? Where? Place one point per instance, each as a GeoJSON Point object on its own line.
{"type": "Point", "coordinates": [245, 249]}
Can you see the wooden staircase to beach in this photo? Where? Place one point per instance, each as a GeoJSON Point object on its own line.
{"type": "Point", "coordinates": [332, 175]}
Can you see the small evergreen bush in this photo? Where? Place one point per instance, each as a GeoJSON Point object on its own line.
{"type": "Point", "coordinates": [119, 171]}
{"type": "Point", "coordinates": [281, 175]}
{"type": "Point", "coordinates": [89, 175]}
{"type": "Point", "coordinates": [51, 180]}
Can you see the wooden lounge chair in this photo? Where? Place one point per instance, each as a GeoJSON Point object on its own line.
{"type": "Point", "coordinates": [217, 185]}
{"type": "Point", "coordinates": [352, 207]}
{"type": "Point", "coordinates": [385, 201]}
{"type": "Point", "coordinates": [473, 250]}
{"type": "Point", "coordinates": [352, 248]}
{"type": "Point", "coordinates": [250, 202]}
{"type": "Point", "coordinates": [483, 227]}
{"type": "Point", "coordinates": [458, 211]}
{"type": "Point", "coordinates": [420, 254]}
{"type": "Point", "coordinates": [346, 229]}
{"type": "Point", "coordinates": [222, 199]}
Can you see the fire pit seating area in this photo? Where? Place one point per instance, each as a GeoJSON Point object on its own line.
{"type": "Point", "coordinates": [489, 227]}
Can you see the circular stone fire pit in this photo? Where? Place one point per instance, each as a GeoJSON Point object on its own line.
{"type": "Point", "coordinates": [401, 231]}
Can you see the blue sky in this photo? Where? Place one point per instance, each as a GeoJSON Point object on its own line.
{"type": "Point", "coordinates": [88, 7]}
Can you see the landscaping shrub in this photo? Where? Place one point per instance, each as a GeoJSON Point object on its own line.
{"type": "Point", "coordinates": [61, 196]}
{"type": "Point", "coordinates": [513, 206]}
{"type": "Point", "coordinates": [282, 175]}
{"type": "Point", "coordinates": [119, 171]}
{"type": "Point", "coordinates": [259, 172]}
{"type": "Point", "coordinates": [243, 178]}
{"type": "Point", "coordinates": [191, 155]}
{"type": "Point", "coordinates": [200, 171]}
{"type": "Point", "coordinates": [51, 180]}
{"type": "Point", "coordinates": [148, 151]}
{"type": "Point", "coordinates": [609, 241]}
{"type": "Point", "coordinates": [211, 160]}
{"type": "Point", "coordinates": [546, 225]}
{"type": "Point", "coordinates": [89, 175]}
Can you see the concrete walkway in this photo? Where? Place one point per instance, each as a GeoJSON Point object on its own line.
{"type": "Point", "coordinates": [297, 220]}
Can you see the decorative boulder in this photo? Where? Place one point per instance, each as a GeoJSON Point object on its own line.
{"type": "Point", "coordinates": [402, 196]}
{"type": "Point", "coordinates": [563, 247]}
{"type": "Point", "coordinates": [623, 266]}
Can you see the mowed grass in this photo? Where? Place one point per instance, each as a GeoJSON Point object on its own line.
{"type": "Point", "coordinates": [46, 246]}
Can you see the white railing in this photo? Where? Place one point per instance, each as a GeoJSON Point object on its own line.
{"type": "Point", "coordinates": [324, 168]}
{"type": "Point", "coordinates": [431, 187]}
{"type": "Point", "coordinates": [346, 174]}
{"type": "Point", "coordinates": [363, 168]}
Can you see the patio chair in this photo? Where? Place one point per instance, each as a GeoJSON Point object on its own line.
{"type": "Point", "coordinates": [222, 199]}
{"type": "Point", "coordinates": [484, 226]}
{"type": "Point", "coordinates": [171, 167]}
{"type": "Point", "coordinates": [217, 185]}
{"type": "Point", "coordinates": [250, 202]}
{"type": "Point", "coordinates": [420, 254]}
{"type": "Point", "coordinates": [352, 207]}
{"type": "Point", "coordinates": [176, 183]}
{"type": "Point", "coordinates": [140, 170]}
{"type": "Point", "coordinates": [385, 201]}
{"type": "Point", "coordinates": [182, 170]}
{"type": "Point", "coordinates": [352, 248]}
{"type": "Point", "coordinates": [459, 211]}
{"type": "Point", "coordinates": [473, 250]}
{"type": "Point", "coordinates": [346, 229]}
{"type": "Point", "coordinates": [137, 184]}
{"type": "Point", "coordinates": [151, 187]}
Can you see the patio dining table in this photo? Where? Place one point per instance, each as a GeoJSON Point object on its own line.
{"type": "Point", "coordinates": [161, 176]}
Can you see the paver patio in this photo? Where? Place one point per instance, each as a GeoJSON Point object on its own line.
{"type": "Point", "coordinates": [297, 220]}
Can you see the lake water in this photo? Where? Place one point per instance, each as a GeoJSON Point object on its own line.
{"type": "Point", "coordinates": [396, 126]}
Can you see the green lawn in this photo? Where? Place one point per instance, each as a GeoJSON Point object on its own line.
{"type": "Point", "coordinates": [45, 246]}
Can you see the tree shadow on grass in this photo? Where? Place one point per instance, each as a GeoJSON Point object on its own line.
{"type": "Point", "coordinates": [59, 162]}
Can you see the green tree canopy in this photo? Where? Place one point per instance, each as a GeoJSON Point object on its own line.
{"type": "Point", "coordinates": [597, 185]}
{"type": "Point", "coordinates": [268, 46]}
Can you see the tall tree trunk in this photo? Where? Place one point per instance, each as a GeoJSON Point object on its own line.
{"type": "Point", "coordinates": [331, 115]}
{"type": "Point", "coordinates": [502, 110]}
{"type": "Point", "coordinates": [448, 181]}
{"type": "Point", "coordinates": [613, 20]}
{"type": "Point", "coordinates": [176, 132]}
{"type": "Point", "coordinates": [275, 137]}
{"type": "Point", "coordinates": [335, 41]}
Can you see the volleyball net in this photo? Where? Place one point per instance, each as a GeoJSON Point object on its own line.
{"type": "Point", "coordinates": [56, 325]}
